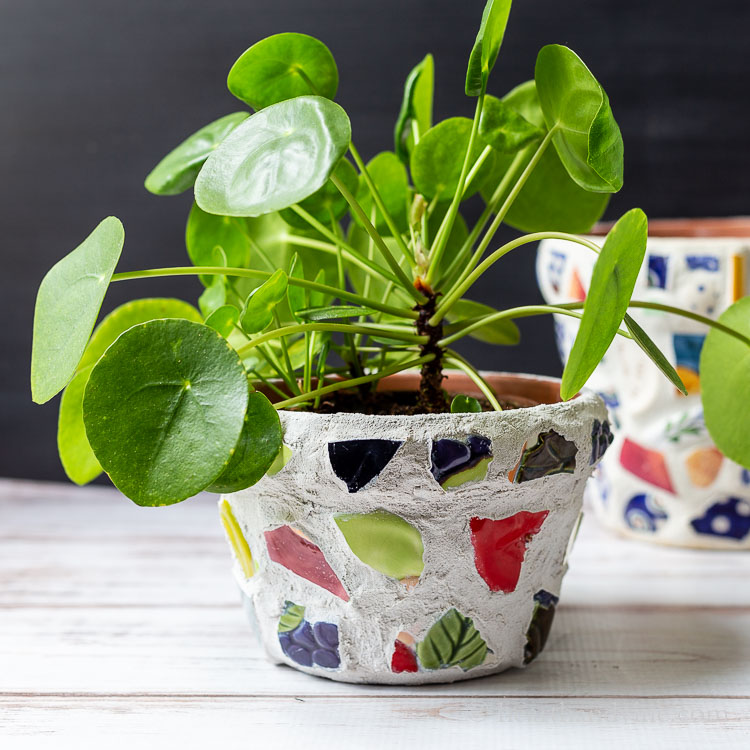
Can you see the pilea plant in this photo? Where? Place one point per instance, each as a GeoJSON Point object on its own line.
{"type": "Point", "coordinates": [326, 273]}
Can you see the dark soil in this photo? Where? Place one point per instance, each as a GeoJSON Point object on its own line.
{"type": "Point", "coordinates": [387, 402]}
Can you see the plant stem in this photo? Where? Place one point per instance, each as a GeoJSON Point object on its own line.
{"type": "Point", "coordinates": [507, 203]}
{"type": "Point", "coordinates": [461, 288]}
{"type": "Point", "coordinates": [489, 209]}
{"type": "Point", "coordinates": [475, 375]}
{"type": "Point", "coordinates": [441, 240]}
{"type": "Point", "coordinates": [432, 397]}
{"type": "Point", "coordinates": [285, 353]}
{"type": "Point", "coordinates": [352, 382]}
{"type": "Point", "coordinates": [481, 159]}
{"type": "Point", "coordinates": [313, 286]}
{"type": "Point", "coordinates": [377, 239]}
{"type": "Point", "coordinates": [333, 327]}
{"type": "Point", "coordinates": [381, 206]}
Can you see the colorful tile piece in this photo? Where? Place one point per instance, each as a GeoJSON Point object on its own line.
{"type": "Point", "coordinates": [452, 641]}
{"type": "Point", "coordinates": [687, 350]}
{"type": "Point", "coordinates": [308, 644]}
{"type": "Point", "coordinates": [303, 558]}
{"type": "Point", "coordinates": [236, 538]}
{"type": "Point", "coordinates": [703, 263]}
{"type": "Point", "coordinates": [404, 659]}
{"type": "Point", "coordinates": [601, 439]}
{"type": "Point", "coordinates": [281, 460]}
{"type": "Point", "coordinates": [726, 519]}
{"type": "Point", "coordinates": [556, 268]}
{"type": "Point", "coordinates": [500, 547]}
{"type": "Point", "coordinates": [455, 462]}
{"type": "Point", "coordinates": [358, 462]}
{"type": "Point", "coordinates": [644, 513]}
{"type": "Point", "coordinates": [552, 454]}
{"type": "Point", "coordinates": [648, 465]}
{"type": "Point", "coordinates": [385, 542]}
{"type": "Point", "coordinates": [686, 425]}
{"type": "Point", "coordinates": [746, 476]}
{"type": "Point", "coordinates": [703, 466]}
{"type": "Point", "coordinates": [541, 623]}
{"type": "Point", "coordinates": [657, 271]}
{"type": "Point", "coordinates": [576, 290]}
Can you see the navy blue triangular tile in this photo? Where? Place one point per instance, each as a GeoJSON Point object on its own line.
{"type": "Point", "coordinates": [358, 462]}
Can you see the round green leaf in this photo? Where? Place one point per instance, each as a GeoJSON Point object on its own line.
{"type": "Point", "coordinates": [389, 175]}
{"type": "Point", "coordinates": [487, 45]}
{"type": "Point", "coordinates": [504, 128]}
{"type": "Point", "coordinates": [612, 283]}
{"type": "Point", "coordinates": [206, 231]}
{"type": "Point", "coordinates": [586, 136]}
{"type": "Point", "coordinates": [326, 204]}
{"type": "Point", "coordinates": [550, 200]}
{"type": "Point", "coordinates": [214, 295]}
{"type": "Point", "coordinates": [67, 306]}
{"type": "Point", "coordinates": [465, 404]}
{"type": "Point", "coordinates": [725, 384]}
{"type": "Point", "coordinates": [257, 448]}
{"type": "Point", "coordinates": [281, 67]}
{"type": "Point", "coordinates": [131, 314]}
{"type": "Point", "coordinates": [277, 157]}
{"type": "Point", "coordinates": [164, 408]}
{"type": "Point", "coordinates": [416, 107]}
{"type": "Point", "coordinates": [464, 312]}
{"type": "Point", "coordinates": [223, 319]}
{"type": "Point", "coordinates": [438, 157]}
{"type": "Point", "coordinates": [177, 171]}
{"type": "Point", "coordinates": [76, 456]}
{"type": "Point", "coordinates": [259, 306]}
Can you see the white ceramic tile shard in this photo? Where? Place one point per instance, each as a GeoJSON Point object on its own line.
{"type": "Point", "coordinates": [307, 494]}
{"type": "Point", "coordinates": [662, 479]}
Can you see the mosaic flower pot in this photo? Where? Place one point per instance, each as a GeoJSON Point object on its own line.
{"type": "Point", "coordinates": [663, 480]}
{"type": "Point", "coordinates": [416, 549]}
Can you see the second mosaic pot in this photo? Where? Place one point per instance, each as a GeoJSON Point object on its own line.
{"type": "Point", "coordinates": [416, 549]}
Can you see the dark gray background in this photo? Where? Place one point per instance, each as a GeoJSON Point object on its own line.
{"type": "Point", "coordinates": [94, 92]}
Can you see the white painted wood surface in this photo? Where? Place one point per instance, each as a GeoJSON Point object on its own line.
{"type": "Point", "coordinates": [121, 625]}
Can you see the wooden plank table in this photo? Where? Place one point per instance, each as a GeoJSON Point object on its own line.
{"type": "Point", "coordinates": [122, 625]}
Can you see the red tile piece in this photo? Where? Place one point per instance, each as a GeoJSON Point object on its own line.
{"type": "Point", "coordinates": [500, 546]}
{"type": "Point", "coordinates": [576, 291]}
{"type": "Point", "coordinates": [303, 558]}
{"type": "Point", "coordinates": [403, 659]}
{"type": "Point", "coordinates": [646, 464]}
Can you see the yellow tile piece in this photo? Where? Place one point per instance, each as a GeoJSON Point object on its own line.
{"type": "Point", "coordinates": [236, 538]}
{"type": "Point", "coordinates": [738, 277]}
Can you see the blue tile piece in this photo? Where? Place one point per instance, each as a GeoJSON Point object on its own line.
{"type": "Point", "coordinates": [452, 456]}
{"type": "Point", "coordinates": [601, 439]}
{"type": "Point", "coordinates": [644, 513]}
{"type": "Point", "coordinates": [703, 263]}
{"type": "Point", "coordinates": [657, 271]}
{"type": "Point", "coordinates": [358, 462]}
{"type": "Point", "coordinates": [687, 349]}
{"type": "Point", "coordinates": [730, 518]}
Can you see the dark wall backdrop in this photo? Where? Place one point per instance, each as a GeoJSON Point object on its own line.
{"type": "Point", "coordinates": [94, 92]}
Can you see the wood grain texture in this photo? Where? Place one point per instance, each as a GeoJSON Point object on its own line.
{"type": "Point", "coordinates": [122, 622]}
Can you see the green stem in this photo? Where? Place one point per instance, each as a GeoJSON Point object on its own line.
{"type": "Point", "coordinates": [353, 382]}
{"type": "Point", "coordinates": [339, 242]}
{"type": "Point", "coordinates": [461, 288]}
{"type": "Point", "coordinates": [285, 354]}
{"type": "Point", "coordinates": [381, 206]}
{"type": "Point", "coordinates": [441, 240]}
{"type": "Point", "coordinates": [313, 286]}
{"type": "Point", "coordinates": [378, 240]}
{"type": "Point", "coordinates": [507, 203]}
{"type": "Point", "coordinates": [334, 328]}
{"type": "Point", "coordinates": [268, 383]}
{"type": "Point", "coordinates": [519, 312]}
{"type": "Point", "coordinates": [273, 362]}
{"type": "Point", "coordinates": [481, 159]}
{"type": "Point", "coordinates": [460, 260]}
{"type": "Point", "coordinates": [474, 374]}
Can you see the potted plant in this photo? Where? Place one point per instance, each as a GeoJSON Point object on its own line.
{"type": "Point", "coordinates": [387, 525]}
{"type": "Point", "coordinates": [664, 480]}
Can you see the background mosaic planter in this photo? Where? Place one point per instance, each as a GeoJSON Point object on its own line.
{"type": "Point", "coordinates": [663, 480]}
{"type": "Point", "coordinates": [415, 549]}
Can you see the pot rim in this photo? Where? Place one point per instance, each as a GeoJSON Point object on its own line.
{"type": "Point", "coordinates": [690, 229]}
{"type": "Point", "coordinates": [542, 390]}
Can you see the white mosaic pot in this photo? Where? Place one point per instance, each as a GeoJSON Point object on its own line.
{"type": "Point", "coordinates": [372, 570]}
{"type": "Point", "coordinates": [663, 480]}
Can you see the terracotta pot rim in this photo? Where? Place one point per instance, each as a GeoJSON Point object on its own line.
{"type": "Point", "coordinates": [698, 228]}
{"type": "Point", "coordinates": [541, 390]}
